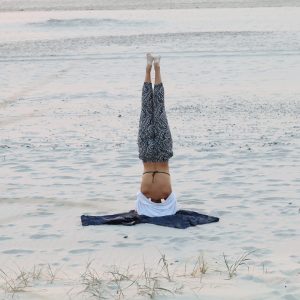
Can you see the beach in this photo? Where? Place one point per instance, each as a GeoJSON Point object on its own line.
{"type": "Point", "coordinates": [71, 81]}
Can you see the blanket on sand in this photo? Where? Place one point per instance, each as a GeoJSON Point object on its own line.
{"type": "Point", "coordinates": [181, 219]}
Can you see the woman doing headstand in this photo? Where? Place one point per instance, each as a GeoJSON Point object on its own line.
{"type": "Point", "coordinates": [155, 197]}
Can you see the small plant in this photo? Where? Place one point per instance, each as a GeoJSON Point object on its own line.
{"type": "Point", "coordinates": [265, 270]}
{"type": "Point", "coordinates": [152, 286]}
{"type": "Point", "coordinates": [36, 273]}
{"type": "Point", "coordinates": [118, 274]}
{"type": "Point", "coordinates": [51, 274]}
{"type": "Point", "coordinates": [93, 284]}
{"type": "Point", "coordinates": [15, 284]}
{"type": "Point", "coordinates": [232, 268]}
{"type": "Point", "coordinates": [200, 266]}
{"type": "Point", "coordinates": [165, 266]}
{"type": "Point", "coordinates": [119, 277]}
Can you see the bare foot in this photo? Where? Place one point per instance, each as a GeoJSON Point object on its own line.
{"type": "Point", "coordinates": [149, 59]}
{"type": "Point", "coordinates": [156, 60]}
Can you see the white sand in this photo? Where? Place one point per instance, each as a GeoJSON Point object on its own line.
{"type": "Point", "coordinates": [69, 107]}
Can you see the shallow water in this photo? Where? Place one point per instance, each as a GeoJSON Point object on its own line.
{"type": "Point", "coordinates": [34, 5]}
{"type": "Point", "coordinates": [69, 109]}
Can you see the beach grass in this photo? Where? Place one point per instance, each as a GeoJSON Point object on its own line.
{"type": "Point", "coordinates": [233, 267]}
{"type": "Point", "coordinates": [118, 282]}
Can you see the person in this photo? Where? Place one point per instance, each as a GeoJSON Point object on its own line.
{"type": "Point", "coordinates": [155, 144]}
{"type": "Point", "coordinates": [156, 203]}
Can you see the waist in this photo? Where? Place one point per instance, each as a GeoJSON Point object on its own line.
{"type": "Point", "coordinates": [159, 166]}
{"type": "Point", "coordinates": [156, 172]}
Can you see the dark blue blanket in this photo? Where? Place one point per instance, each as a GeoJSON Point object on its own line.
{"type": "Point", "coordinates": [181, 219]}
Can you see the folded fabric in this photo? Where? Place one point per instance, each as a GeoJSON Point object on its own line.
{"type": "Point", "coordinates": [181, 219]}
{"type": "Point", "coordinates": [144, 206]}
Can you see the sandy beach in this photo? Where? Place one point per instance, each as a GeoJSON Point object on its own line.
{"type": "Point", "coordinates": [71, 80]}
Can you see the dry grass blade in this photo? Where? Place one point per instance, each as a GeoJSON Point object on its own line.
{"type": "Point", "coordinates": [232, 268]}
{"type": "Point", "coordinates": [152, 288]}
{"type": "Point", "coordinates": [119, 278]}
{"type": "Point", "coordinates": [94, 284]}
{"type": "Point", "coordinates": [52, 274]}
{"type": "Point", "coordinates": [165, 266]}
{"type": "Point", "coordinates": [15, 284]}
{"type": "Point", "coordinates": [200, 267]}
{"type": "Point", "coordinates": [36, 273]}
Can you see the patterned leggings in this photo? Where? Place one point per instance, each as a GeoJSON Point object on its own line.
{"type": "Point", "coordinates": [154, 137]}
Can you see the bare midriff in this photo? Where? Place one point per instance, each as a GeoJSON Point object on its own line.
{"type": "Point", "coordinates": [156, 186]}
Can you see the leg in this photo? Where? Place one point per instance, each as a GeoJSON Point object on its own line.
{"type": "Point", "coordinates": [148, 73]}
{"type": "Point", "coordinates": [162, 133]}
{"type": "Point", "coordinates": [157, 73]}
{"type": "Point", "coordinates": [146, 133]}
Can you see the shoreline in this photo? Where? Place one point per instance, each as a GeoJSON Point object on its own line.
{"type": "Point", "coordinates": [16, 6]}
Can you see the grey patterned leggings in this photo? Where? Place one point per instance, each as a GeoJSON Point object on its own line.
{"type": "Point", "coordinates": [154, 136]}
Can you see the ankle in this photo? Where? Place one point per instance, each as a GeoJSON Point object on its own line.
{"type": "Point", "coordinates": [156, 61]}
